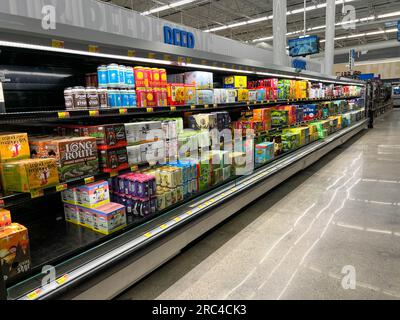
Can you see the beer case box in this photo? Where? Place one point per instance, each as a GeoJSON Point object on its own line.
{"type": "Point", "coordinates": [231, 95]}
{"type": "Point", "coordinates": [261, 95]}
{"type": "Point", "coordinates": [221, 96]}
{"type": "Point", "coordinates": [176, 94]}
{"type": "Point", "coordinates": [71, 213]}
{"type": "Point", "coordinates": [216, 176]}
{"type": "Point", "coordinates": [205, 121]}
{"type": "Point", "coordinates": [14, 251]}
{"type": "Point", "coordinates": [304, 133]}
{"type": "Point", "coordinates": [201, 79]}
{"type": "Point", "coordinates": [223, 120]}
{"type": "Point", "coordinates": [142, 132]}
{"type": "Point", "coordinates": [107, 136]}
{"type": "Point", "coordinates": [5, 218]}
{"type": "Point", "coordinates": [264, 152]}
{"type": "Point", "coordinates": [242, 95]}
{"type": "Point", "coordinates": [190, 94]}
{"type": "Point", "coordinates": [113, 159]}
{"type": "Point", "coordinates": [109, 218]}
{"type": "Point", "coordinates": [292, 113]}
{"type": "Point", "coordinates": [70, 196]}
{"type": "Point", "coordinates": [226, 172]}
{"type": "Point", "coordinates": [14, 146]}
{"type": "Point", "coordinates": [252, 95]}
{"type": "Point", "coordinates": [310, 112]}
{"type": "Point", "coordinates": [85, 217]}
{"type": "Point", "coordinates": [75, 156]}
{"type": "Point", "coordinates": [279, 118]}
{"type": "Point", "coordinates": [29, 175]}
{"type": "Point", "coordinates": [152, 152]}
{"type": "Point", "coordinates": [94, 195]}
{"type": "Point", "coordinates": [235, 82]}
{"type": "Point", "coordinates": [205, 96]}
{"type": "Point", "coordinates": [290, 141]}
{"type": "Point", "coordinates": [263, 115]}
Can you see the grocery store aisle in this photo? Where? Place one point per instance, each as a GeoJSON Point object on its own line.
{"type": "Point", "coordinates": [340, 215]}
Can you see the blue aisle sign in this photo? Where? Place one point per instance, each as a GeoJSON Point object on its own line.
{"type": "Point", "coordinates": [177, 37]}
{"type": "Point", "coordinates": [299, 64]}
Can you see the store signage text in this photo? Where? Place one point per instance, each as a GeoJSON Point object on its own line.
{"type": "Point", "coordinates": [299, 64]}
{"type": "Point", "coordinates": [177, 37]}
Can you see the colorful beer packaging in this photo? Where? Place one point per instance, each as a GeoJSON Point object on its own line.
{"type": "Point", "coordinates": [109, 218]}
{"type": "Point", "coordinates": [93, 195]}
{"type": "Point", "coordinates": [264, 152]}
{"type": "Point", "coordinates": [5, 219]}
{"type": "Point", "coordinates": [113, 159]}
{"type": "Point", "coordinates": [205, 96]}
{"type": "Point", "coordinates": [13, 146]}
{"type": "Point", "coordinates": [28, 175]}
{"type": "Point", "coordinates": [279, 118]}
{"type": "Point", "coordinates": [76, 157]}
{"type": "Point", "coordinates": [204, 121]}
{"type": "Point", "coordinates": [176, 94]}
{"type": "Point", "coordinates": [14, 250]}
{"type": "Point", "coordinates": [235, 82]}
{"type": "Point", "coordinates": [201, 79]}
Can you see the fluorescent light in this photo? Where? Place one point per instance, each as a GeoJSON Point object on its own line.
{"type": "Point", "coordinates": [387, 15]}
{"type": "Point", "coordinates": [258, 20]}
{"type": "Point", "coordinates": [375, 32]}
{"type": "Point", "coordinates": [167, 7]}
{"type": "Point", "coordinates": [263, 39]}
{"type": "Point", "coordinates": [237, 24]}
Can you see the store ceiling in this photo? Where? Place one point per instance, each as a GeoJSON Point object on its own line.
{"type": "Point", "coordinates": [372, 26]}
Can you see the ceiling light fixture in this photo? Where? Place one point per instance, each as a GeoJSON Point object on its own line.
{"type": "Point", "coordinates": [167, 7]}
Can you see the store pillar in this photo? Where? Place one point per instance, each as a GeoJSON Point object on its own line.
{"type": "Point", "coordinates": [330, 36]}
{"type": "Point", "coordinates": [280, 30]}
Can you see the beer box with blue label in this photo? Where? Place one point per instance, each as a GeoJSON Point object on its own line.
{"type": "Point", "coordinates": [264, 152]}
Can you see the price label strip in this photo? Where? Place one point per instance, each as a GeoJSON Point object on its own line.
{"type": "Point", "coordinates": [62, 279]}
{"type": "Point", "coordinates": [89, 180]}
{"type": "Point", "coordinates": [61, 187]}
{"type": "Point", "coordinates": [57, 44]}
{"type": "Point", "coordinates": [34, 294]}
{"type": "Point", "coordinates": [63, 115]}
{"type": "Point", "coordinates": [94, 113]}
{"type": "Point", "coordinates": [37, 193]}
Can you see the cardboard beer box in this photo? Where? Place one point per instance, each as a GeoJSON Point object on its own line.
{"type": "Point", "coordinates": [176, 94]}
{"type": "Point", "coordinates": [94, 195]}
{"type": "Point", "coordinates": [205, 96]}
{"type": "Point", "coordinates": [235, 82]}
{"type": "Point", "coordinates": [204, 121]}
{"type": "Point", "coordinates": [70, 196]}
{"type": "Point", "coordinates": [279, 118]}
{"type": "Point", "coordinates": [264, 152]}
{"type": "Point", "coordinates": [28, 175]}
{"type": "Point", "coordinates": [14, 251]}
{"type": "Point", "coordinates": [107, 136]}
{"type": "Point", "coordinates": [71, 213]}
{"type": "Point", "coordinates": [13, 146]}
{"type": "Point", "coordinates": [5, 219]}
{"type": "Point", "coordinates": [142, 132]}
{"type": "Point", "coordinates": [201, 79]}
{"type": "Point", "coordinates": [113, 160]}
{"type": "Point", "coordinates": [75, 156]}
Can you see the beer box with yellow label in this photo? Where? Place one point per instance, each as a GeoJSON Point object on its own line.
{"type": "Point", "coordinates": [14, 146]}
{"type": "Point", "coordinates": [237, 82]}
{"type": "Point", "coordinates": [30, 174]}
{"type": "Point", "coordinates": [243, 95]}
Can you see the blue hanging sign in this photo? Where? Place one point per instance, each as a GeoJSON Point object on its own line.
{"type": "Point", "coordinates": [180, 38]}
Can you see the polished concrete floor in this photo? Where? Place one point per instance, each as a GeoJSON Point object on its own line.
{"type": "Point", "coordinates": [330, 232]}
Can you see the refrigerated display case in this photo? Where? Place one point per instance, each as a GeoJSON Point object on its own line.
{"type": "Point", "coordinates": [71, 260]}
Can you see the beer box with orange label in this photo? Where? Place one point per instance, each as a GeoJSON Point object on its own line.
{"type": "Point", "coordinates": [14, 250]}
{"type": "Point", "coordinates": [13, 146]}
{"type": "Point", "coordinates": [5, 219]}
{"type": "Point", "coordinates": [30, 174]}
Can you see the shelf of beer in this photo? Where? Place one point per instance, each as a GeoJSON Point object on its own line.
{"type": "Point", "coordinates": [117, 112]}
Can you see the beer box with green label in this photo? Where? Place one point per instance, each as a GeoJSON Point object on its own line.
{"type": "Point", "coordinates": [76, 157]}
{"type": "Point", "coordinates": [279, 118]}
{"type": "Point", "coordinates": [291, 141]}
